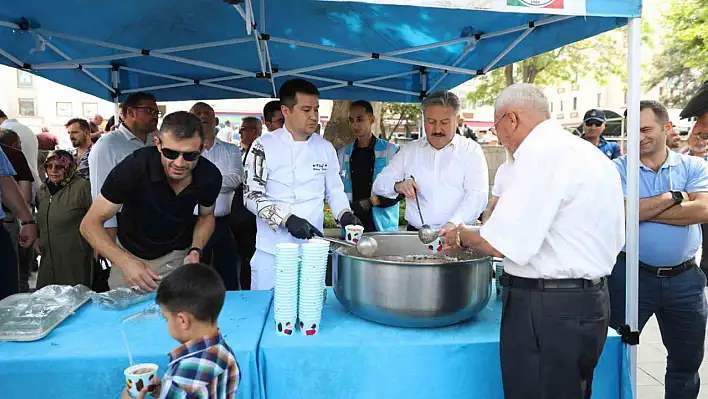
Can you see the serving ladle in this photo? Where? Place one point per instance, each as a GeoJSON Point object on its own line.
{"type": "Point", "coordinates": [366, 246]}
{"type": "Point", "coordinates": [426, 234]}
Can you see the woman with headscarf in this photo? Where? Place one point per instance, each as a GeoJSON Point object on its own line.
{"type": "Point", "coordinates": [62, 202]}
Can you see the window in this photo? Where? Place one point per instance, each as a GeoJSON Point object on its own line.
{"type": "Point", "coordinates": [575, 103]}
{"type": "Point", "coordinates": [561, 90]}
{"type": "Point", "coordinates": [24, 79]}
{"type": "Point", "coordinates": [599, 100]}
{"type": "Point", "coordinates": [26, 107]}
{"type": "Point", "coordinates": [64, 109]}
{"type": "Point", "coordinates": [575, 87]}
{"type": "Point", "coordinates": [89, 110]}
{"type": "Point", "coordinates": [625, 97]}
{"type": "Point", "coordinates": [661, 91]}
{"type": "Point", "coordinates": [561, 106]}
{"type": "Point", "coordinates": [551, 106]}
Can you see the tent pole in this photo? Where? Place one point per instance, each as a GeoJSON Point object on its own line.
{"type": "Point", "coordinates": [115, 79]}
{"type": "Point", "coordinates": [632, 217]}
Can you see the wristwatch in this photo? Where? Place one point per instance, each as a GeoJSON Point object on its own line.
{"type": "Point", "coordinates": [677, 197]}
{"type": "Point", "coordinates": [25, 223]}
{"type": "Point", "coordinates": [199, 251]}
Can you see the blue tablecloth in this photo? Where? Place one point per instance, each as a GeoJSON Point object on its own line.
{"type": "Point", "coordinates": [353, 358]}
{"type": "Point", "coordinates": [84, 357]}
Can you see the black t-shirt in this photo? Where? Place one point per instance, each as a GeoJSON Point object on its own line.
{"type": "Point", "coordinates": [154, 220]}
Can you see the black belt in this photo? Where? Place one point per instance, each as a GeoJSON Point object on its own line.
{"type": "Point", "coordinates": [540, 284]}
{"type": "Point", "coordinates": [664, 272]}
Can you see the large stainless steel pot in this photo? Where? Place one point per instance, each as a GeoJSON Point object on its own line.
{"type": "Point", "coordinates": [407, 294]}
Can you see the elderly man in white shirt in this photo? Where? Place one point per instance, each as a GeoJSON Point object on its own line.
{"type": "Point", "coordinates": [446, 171]}
{"type": "Point", "coordinates": [559, 226]}
{"type": "Point", "coordinates": [290, 172]}
{"type": "Point", "coordinates": [221, 250]}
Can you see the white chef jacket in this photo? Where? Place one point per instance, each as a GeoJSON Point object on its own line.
{"type": "Point", "coordinates": [226, 157]}
{"type": "Point", "coordinates": [108, 151]}
{"type": "Point", "coordinates": [30, 147]}
{"type": "Point", "coordinates": [562, 213]}
{"type": "Point", "coordinates": [285, 177]}
{"type": "Point", "coordinates": [453, 181]}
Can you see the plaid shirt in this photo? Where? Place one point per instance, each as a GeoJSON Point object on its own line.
{"type": "Point", "coordinates": [203, 368]}
{"type": "Point", "coordinates": [82, 165]}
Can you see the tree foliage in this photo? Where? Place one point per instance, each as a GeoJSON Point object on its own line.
{"type": "Point", "coordinates": [599, 57]}
{"type": "Point", "coordinates": [405, 114]}
{"type": "Point", "coordinates": [682, 62]}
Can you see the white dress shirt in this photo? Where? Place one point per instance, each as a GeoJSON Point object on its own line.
{"type": "Point", "coordinates": [108, 151]}
{"type": "Point", "coordinates": [287, 177]}
{"type": "Point", "coordinates": [562, 213]}
{"type": "Point", "coordinates": [502, 177]}
{"type": "Point", "coordinates": [453, 181]}
{"type": "Point", "coordinates": [30, 147]}
{"type": "Point", "coordinates": [225, 134]}
{"type": "Point", "coordinates": [226, 157]}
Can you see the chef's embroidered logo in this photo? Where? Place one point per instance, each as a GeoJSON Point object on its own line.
{"type": "Point", "coordinates": [319, 167]}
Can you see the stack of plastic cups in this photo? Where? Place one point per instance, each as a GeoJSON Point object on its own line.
{"type": "Point", "coordinates": [313, 269]}
{"type": "Point", "coordinates": [286, 287]}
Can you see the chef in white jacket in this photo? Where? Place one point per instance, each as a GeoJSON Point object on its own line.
{"type": "Point", "coordinates": [446, 171]}
{"type": "Point", "coordinates": [290, 172]}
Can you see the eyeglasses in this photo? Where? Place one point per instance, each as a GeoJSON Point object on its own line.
{"type": "Point", "coordinates": [701, 136]}
{"type": "Point", "coordinates": [190, 156]}
{"type": "Point", "coordinates": [154, 112]}
{"type": "Point", "coordinates": [593, 123]}
{"type": "Point", "coordinates": [53, 166]}
{"type": "Point", "coordinates": [498, 121]}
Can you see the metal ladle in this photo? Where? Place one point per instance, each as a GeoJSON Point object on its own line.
{"type": "Point", "coordinates": [366, 246]}
{"type": "Point", "coordinates": [426, 234]}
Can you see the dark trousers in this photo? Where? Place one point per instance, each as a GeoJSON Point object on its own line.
{"type": "Point", "coordinates": [245, 233]}
{"type": "Point", "coordinates": [221, 252]}
{"type": "Point", "coordinates": [411, 228]}
{"type": "Point", "coordinates": [9, 271]}
{"type": "Point", "coordinates": [704, 245]}
{"type": "Point", "coordinates": [681, 311]}
{"type": "Point", "coordinates": [552, 340]}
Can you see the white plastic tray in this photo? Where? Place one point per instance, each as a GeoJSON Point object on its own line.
{"type": "Point", "coordinates": [12, 300]}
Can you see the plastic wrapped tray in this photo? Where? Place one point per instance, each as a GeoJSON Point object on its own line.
{"type": "Point", "coordinates": [30, 317]}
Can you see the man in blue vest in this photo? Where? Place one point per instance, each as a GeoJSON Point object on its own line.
{"type": "Point", "coordinates": [594, 124]}
{"type": "Point", "coordinates": [360, 162]}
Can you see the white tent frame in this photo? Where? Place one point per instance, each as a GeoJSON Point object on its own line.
{"type": "Point", "coordinates": [418, 67]}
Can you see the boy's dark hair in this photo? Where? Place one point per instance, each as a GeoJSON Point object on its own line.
{"type": "Point", "coordinates": [194, 288]}
{"type": "Point", "coordinates": [270, 109]}
{"type": "Point", "coordinates": [290, 89]}
{"type": "Point", "coordinates": [9, 137]}
{"type": "Point", "coordinates": [83, 125]}
{"type": "Point", "coordinates": [2, 114]}
{"type": "Point", "coordinates": [363, 104]}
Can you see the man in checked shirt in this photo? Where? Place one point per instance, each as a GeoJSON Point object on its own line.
{"type": "Point", "coordinates": [204, 366]}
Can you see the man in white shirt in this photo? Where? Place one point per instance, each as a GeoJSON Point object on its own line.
{"type": "Point", "coordinates": [221, 251]}
{"type": "Point", "coordinates": [30, 145]}
{"type": "Point", "coordinates": [225, 132]}
{"type": "Point", "coordinates": [559, 227]}
{"type": "Point", "coordinates": [290, 172]}
{"type": "Point", "coordinates": [446, 171]}
{"type": "Point", "coordinates": [501, 180]}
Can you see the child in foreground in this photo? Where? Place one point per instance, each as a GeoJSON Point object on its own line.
{"type": "Point", "coordinates": [191, 298]}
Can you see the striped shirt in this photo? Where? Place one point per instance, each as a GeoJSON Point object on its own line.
{"type": "Point", "coordinates": [202, 368]}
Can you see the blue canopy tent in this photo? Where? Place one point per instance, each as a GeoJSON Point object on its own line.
{"type": "Point", "coordinates": [385, 50]}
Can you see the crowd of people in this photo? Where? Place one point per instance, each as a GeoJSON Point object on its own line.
{"type": "Point", "coordinates": [129, 206]}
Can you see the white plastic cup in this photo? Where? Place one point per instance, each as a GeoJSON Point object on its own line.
{"type": "Point", "coordinates": [436, 246]}
{"type": "Point", "coordinates": [353, 233]}
{"type": "Point", "coordinates": [139, 376]}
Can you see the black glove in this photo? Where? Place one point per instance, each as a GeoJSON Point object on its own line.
{"type": "Point", "coordinates": [348, 219]}
{"type": "Point", "coordinates": [365, 204]}
{"type": "Point", "coordinates": [301, 228]}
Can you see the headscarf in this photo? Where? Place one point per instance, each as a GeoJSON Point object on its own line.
{"type": "Point", "coordinates": [67, 163]}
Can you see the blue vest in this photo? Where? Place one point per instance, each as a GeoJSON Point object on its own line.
{"type": "Point", "coordinates": [385, 219]}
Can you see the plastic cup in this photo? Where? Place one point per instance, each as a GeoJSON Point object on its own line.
{"type": "Point", "coordinates": [139, 376]}
{"type": "Point", "coordinates": [354, 233]}
{"type": "Point", "coordinates": [285, 326]}
{"type": "Point", "coordinates": [436, 246]}
{"type": "Point", "coordinates": [309, 327]}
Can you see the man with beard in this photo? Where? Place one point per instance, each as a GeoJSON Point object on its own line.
{"type": "Point", "coordinates": [157, 188]}
{"type": "Point", "coordinates": [360, 162]}
{"type": "Point", "coordinates": [697, 141]}
{"type": "Point", "coordinates": [243, 222]}
{"type": "Point", "coordinates": [445, 171]}
{"type": "Point", "coordinates": [220, 251]}
{"type": "Point", "coordinates": [594, 124]}
{"type": "Point", "coordinates": [139, 121]}
{"type": "Point", "coordinates": [290, 172]}
{"type": "Point", "coordinates": [673, 139]}
{"type": "Point", "coordinates": [80, 136]}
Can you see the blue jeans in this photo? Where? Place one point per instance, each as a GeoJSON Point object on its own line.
{"type": "Point", "coordinates": [681, 311]}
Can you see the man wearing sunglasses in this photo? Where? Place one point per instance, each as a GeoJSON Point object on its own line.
{"type": "Point", "coordinates": [158, 188]}
{"type": "Point", "coordinates": [289, 174]}
{"type": "Point", "coordinates": [594, 124]}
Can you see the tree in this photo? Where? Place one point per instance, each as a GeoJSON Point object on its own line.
{"type": "Point", "coordinates": [681, 64]}
{"type": "Point", "coordinates": [404, 114]}
{"type": "Point", "coordinates": [599, 57]}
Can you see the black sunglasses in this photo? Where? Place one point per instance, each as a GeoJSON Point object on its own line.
{"type": "Point", "coordinates": [190, 156]}
{"type": "Point", "coordinates": [593, 123]}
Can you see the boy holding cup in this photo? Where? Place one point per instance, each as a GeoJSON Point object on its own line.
{"type": "Point", "coordinates": [191, 298]}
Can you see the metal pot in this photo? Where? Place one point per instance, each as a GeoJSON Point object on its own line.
{"type": "Point", "coordinates": [404, 294]}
